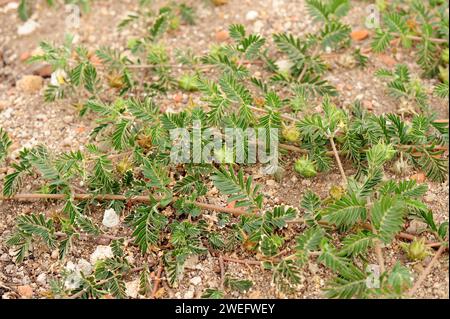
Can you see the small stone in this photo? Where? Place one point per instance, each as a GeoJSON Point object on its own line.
{"type": "Point", "coordinates": [55, 254]}
{"type": "Point", "coordinates": [258, 26]}
{"type": "Point", "coordinates": [189, 294]}
{"type": "Point", "coordinates": [4, 257]}
{"type": "Point", "coordinates": [101, 252]}
{"type": "Point", "coordinates": [84, 266]}
{"type": "Point", "coordinates": [222, 36]}
{"type": "Point", "coordinates": [30, 83]}
{"type": "Point", "coordinates": [27, 28]}
{"type": "Point", "coordinates": [284, 66]}
{"type": "Point", "coordinates": [416, 227]}
{"type": "Point", "coordinates": [419, 177]}
{"type": "Point", "coordinates": [359, 35]}
{"type": "Point", "coordinates": [387, 60]}
{"type": "Point", "coordinates": [430, 198]}
{"type": "Point", "coordinates": [11, 6]}
{"type": "Point", "coordinates": [368, 105]}
{"type": "Point", "coordinates": [110, 218]}
{"type": "Point", "coordinates": [42, 279]}
{"type": "Point", "coordinates": [132, 288]}
{"type": "Point", "coordinates": [67, 119]}
{"type": "Point", "coordinates": [178, 98]}
{"type": "Point", "coordinates": [191, 262]}
{"type": "Point", "coordinates": [25, 292]}
{"type": "Point", "coordinates": [196, 280]}
{"type": "Point", "coordinates": [251, 15]}
{"type": "Point", "coordinates": [219, 2]}
{"type": "Point", "coordinates": [271, 182]}
{"type": "Point", "coordinates": [44, 71]}
{"type": "Point", "coordinates": [73, 280]}
{"type": "Point", "coordinates": [24, 56]}
{"type": "Point", "coordinates": [67, 142]}
{"type": "Point", "coordinates": [3, 105]}
{"type": "Point", "coordinates": [9, 268]}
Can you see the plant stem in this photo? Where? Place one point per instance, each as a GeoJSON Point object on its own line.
{"type": "Point", "coordinates": [426, 271]}
{"type": "Point", "coordinates": [232, 211]}
{"type": "Point", "coordinates": [222, 272]}
{"type": "Point", "coordinates": [105, 197]}
{"type": "Point", "coordinates": [242, 261]}
{"type": "Point", "coordinates": [418, 38]}
{"type": "Point", "coordinates": [157, 281]}
{"type": "Point", "coordinates": [338, 160]}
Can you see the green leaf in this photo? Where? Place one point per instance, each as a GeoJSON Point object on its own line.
{"type": "Point", "coordinates": [346, 211]}
{"type": "Point", "coordinates": [5, 143]}
{"type": "Point", "coordinates": [286, 274]}
{"type": "Point", "coordinates": [399, 279]}
{"type": "Point", "coordinates": [441, 90]}
{"type": "Point", "coordinates": [310, 239]}
{"type": "Point", "coordinates": [237, 32]}
{"type": "Point", "coordinates": [348, 285]}
{"type": "Point", "coordinates": [241, 188]}
{"type": "Point", "coordinates": [148, 225]}
{"type": "Point", "coordinates": [381, 41]}
{"type": "Point", "coordinates": [211, 293]}
{"type": "Point", "coordinates": [238, 284]}
{"type": "Point", "coordinates": [121, 135]}
{"type": "Point", "coordinates": [318, 10]}
{"type": "Point", "coordinates": [156, 173]}
{"type": "Point", "coordinates": [24, 10]}
{"type": "Point", "coordinates": [356, 244]}
{"type": "Point", "coordinates": [387, 217]}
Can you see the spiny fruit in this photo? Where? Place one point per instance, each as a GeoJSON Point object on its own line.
{"type": "Point", "coordinates": [305, 167]}
{"type": "Point", "coordinates": [336, 192]}
{"type": "Point", "coordinates": [401, 167]}
{"type": "Point", "coordinates": [188, 82]}
{"type": "Point", "coordinates": [123, 166]}
{"type": "Point", "coordinates": [144, 141]}
{"type": "Point", "coordinates": [115, 80]}
{"type": "Point", "coordinates": [417, 250]}
{"type": "Point", "coordinates": [291, 133]}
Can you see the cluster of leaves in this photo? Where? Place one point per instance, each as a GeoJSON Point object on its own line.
{"type": "Point", "coordinates": [425, 21]}
{"type": "Point", "coordinates": [130, 155]}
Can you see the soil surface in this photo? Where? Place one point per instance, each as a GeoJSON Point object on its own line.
{"type": "Point", "coordinates": [30, 121]}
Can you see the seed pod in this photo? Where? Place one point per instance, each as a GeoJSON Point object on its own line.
{"type": "Point", "coordinates": [174, 23]}
{"type": "Point", "coordinates": [417, 250]}
{"type": "Point", "coordinates": [401, 167]}
{"type": "Point", "coordinates": [123, 166]}
{"type": "Point", "coordinates": [305, 167]}
{"type": "Point", "coordinates": [115, 80]}
{"type": "Point", "coordinates": [144, 141]}
{"type": "Point", "coordinates": [336, 192]}
{"type": "Point", "coordinates": [291, 133]}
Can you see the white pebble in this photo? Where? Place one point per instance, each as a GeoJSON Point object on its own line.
{"type": "Point", "coordinates": [27, 28]}
{"type": "Point", "coordinates": [251, 15]}
{"type": "Point", "coordinates": [101, 252]}
{"type": "Point", "coordinates": [196, 280]}
{"type": "Point", "coordinates": [110, 218]}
